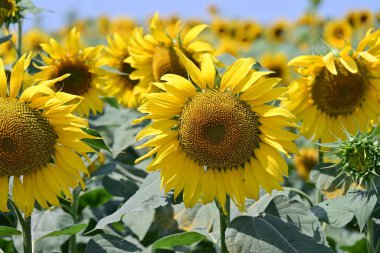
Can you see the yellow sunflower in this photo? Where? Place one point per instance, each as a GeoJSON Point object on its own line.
{"type": "Point", "coordinates": [40, 142]}
{"type": "Point", "coordinates": [336, 33]}
{"type": "Point", "coordinates": [153, 55]}
{"type": "Point", "coordinates": [83, 65]}
{"type": "Point", "coordinates": [33, 38]}
{"type": "Point", "coordinates": [8, 52]}
{"type": "Point", "coordinates": [305, 161]}
{"type": "Point", "coordinates": [278, 32]}
{"type": "Point", "coordinates": [277, 62]}
{"type": "Point", "coordinates": [337, 91]}
{"type": "Point", "coordinates": [119, 85]}
{"type": "Point", "coordinates": [211, 139]}
{"type": "Point", "coordinates": [8, 8]}
{"type": "Point", "coordinates": [360, 19]}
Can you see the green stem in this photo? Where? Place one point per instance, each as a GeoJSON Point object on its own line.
{"type": "Point", "coordinates": [369, 235]}
{"type": "Point", "coordinates": [19, 43]}
{"type": "Point", "coordinates": [224, 222]}
{"type": "Point", "coordinates": [27, 235]}
{"type": "Point", "coordinates": [26, 225]}
{"type": "Point", "coordinates": [74, 214]}
{"type": "Point", "coordinates": [301, 193]}
{"type": "Point", "coordinates": [318, 194]}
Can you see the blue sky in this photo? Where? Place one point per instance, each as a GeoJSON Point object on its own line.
{"type": "Point", "coordinates": [265, 11]}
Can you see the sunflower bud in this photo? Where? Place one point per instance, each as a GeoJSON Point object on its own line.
{"type": "Point", "coordinates": [360, 157]}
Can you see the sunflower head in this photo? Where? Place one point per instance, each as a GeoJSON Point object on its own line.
{"type": "Point", "coordinates": [338, 89]}
{"type": "Point", "coordinates": [119, 84]}
{"type": "Point", "coordinates": [277, 62]}
{"type": "Point", "coordinates": [39, 141]}
{"type": "Point", "coordinates": [337, 33]}
{"type": "Point", "coordinates": [83, 65]}
{"type": "Point", "coordinates": [216, 135]}
{"type": "Point", "coordinates": [360, 19]}
{"type": "Point", "coordinates": [278, 31]}
{"type": "Point", "coordinates": [33, 38]}
{"type": "Point", "coordinates": [8, 10]}
{"type": "Point", "coordinates": [305, 161]}
{"type": "Point", "coordinates": [155, 55]}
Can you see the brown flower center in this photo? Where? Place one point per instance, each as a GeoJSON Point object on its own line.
{"type": "Point", "coordinates": [218, 130]}
{"type": "Point", "coordinates": [165, 60]}
{"type": "Point", "coordinates": [79, 80]}
{"type": "Point", "coordinates": [26, 139]}
{"type": "Point", "coordinates": [340, 94]}
{"type": "Point", "coordinates": [127, 69]}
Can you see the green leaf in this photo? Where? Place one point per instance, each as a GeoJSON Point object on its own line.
{"type": "Point", "coordinates": [96, 144]}
{"type": "Point", "coordinates": [148, 197]}
{"type": "Point", "coordinates": [94, 197]}
{"type": "Point", "coordinates": [359, 246]}
{"type": "Point", "coordinates": [267, 233]}
{"type": "Point", "coordinates": [112, 101]}
{"type": "Point", "coordinates": [5, 38]}
{"type": "Point", "coordinates": [341, 210]}
{"type": "Point", "coordinates": [71, 230]}
{"type": "Point", "coordinates": [9, 231]}
{"type": "Point", "coordinates": [291, 211]}
{"type": "Point", "coordinates": [181, 239]}
{"type": "Point", "coordinates": [110, 244]}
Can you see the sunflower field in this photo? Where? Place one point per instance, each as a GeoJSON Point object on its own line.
{"type": "Point", "coordinates": [174, 134]}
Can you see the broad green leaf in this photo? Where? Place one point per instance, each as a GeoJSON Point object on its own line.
{"type": "Point", "coordinates": [267, 233]}
{"type": "Point", "coordinates": [291, 211]}
{"type": "Point", "coordinates": [359, 246]}
{"type": "Point", "coordinates": [94, 197]}
{"type": "Point", "coordinates": [71, 230]}
{"type": "Point", "coordinates": [148, 197]}
{"type": "Point", "coordinates": [9, 231]}
{"type": "Point", "coordinates": [119, 186]}
{"type": "Point", "coordinates": [200, 217]}
{"type": "Point", "coordinates": [341, 210]}
{"type": "Point", "coordinates": [96, 144]}
{"type": "Point", "coordinates": [181, 239]}
{"type": "Point", "coordinates": [110, 244]}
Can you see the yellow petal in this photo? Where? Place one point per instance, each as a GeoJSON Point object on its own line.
{"type": "Point", "coordinates": [328, 59]}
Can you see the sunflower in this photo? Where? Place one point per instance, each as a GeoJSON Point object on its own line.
{"type": "Point", "coordinates": [278, 32]}
{"type": "Point", "coordinates": [212, 139]}
{"type": "Point", "coordinates": [277, 62]}
{"type": "Point", "coordinates": [360, 19]}
{"type": "Point", "coordinates": [8, 52]}
{"type": "Point", "coordinates": [39, 142]}
{"type": "Point", "coordinates": [83, 65]}
{"type": "Point", "coordinates": [126, 90]}
{"type": "Point", "coordinates": [8, 9]}
{"type": "Point", "coordinates": [123, 26]}
{"type": "Point", "coordinates": [153, 55]}
{"type": "Point", "coordinates": [336, 33]}
{"type": "Point", "coordinates": [33, 38]}
{"type": "Point", "coordinates": [337, 91]}
{"type": "Point", "coordinates": [305, 161]}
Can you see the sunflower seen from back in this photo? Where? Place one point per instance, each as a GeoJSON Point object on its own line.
{"type": "Point", "coordinates": [211, 139]}
{"type": "Point", "coordinates": [153, 55]}
{"type": "Point", "coordinates": [83, 65]}
{"type": "Point", "coordinates": [337, 91]}
{"type": "Point", "coordinates": [119, 84]}
{"type": "Point", "coordinates": [40, 142]}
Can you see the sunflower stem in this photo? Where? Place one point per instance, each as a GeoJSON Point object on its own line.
{"type": "Point", "coordinates": [74, 214]}
{"type": "Point", "coordinates": [19, 43]}
{"type": "Point", "coordinates": [318, 194]}
{"type": "Point", "coordinates": [27, 235]}
{"type": "Point", "coordinates": [369, 229]}
{"type": "Point", "coordinates": [224, 222]}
